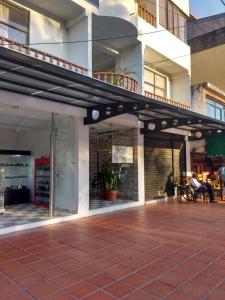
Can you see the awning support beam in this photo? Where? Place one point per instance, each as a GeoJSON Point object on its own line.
{"type": "Point", "coordinates": [98, 113]}
{"type": "Point", "coordinates": [157, 125]}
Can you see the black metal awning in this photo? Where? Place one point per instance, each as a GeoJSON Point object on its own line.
{"type": "Point", "coordinates": [30, 76]}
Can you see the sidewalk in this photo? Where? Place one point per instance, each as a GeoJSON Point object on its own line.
{"type": "Point", "coordinates": [168, 251]}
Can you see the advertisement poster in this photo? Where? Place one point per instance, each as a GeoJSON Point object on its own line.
{"type": "Point", "coordinates": [122, 155]}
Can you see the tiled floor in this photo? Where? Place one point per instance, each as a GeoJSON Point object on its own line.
{"type": "Point", "coordinates": [168, 251]}
{"type": "Point", "coordinates": [24, 214]}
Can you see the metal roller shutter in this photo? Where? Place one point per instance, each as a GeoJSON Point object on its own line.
{"type": "Point", "coordinates": [164, 161]}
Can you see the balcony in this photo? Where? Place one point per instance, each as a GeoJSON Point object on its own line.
{"type": "Point", "coordinates": [146, 15]}
{"type": "Point", "coordinates": [14, 46]}
{"type": "Point", "coordinates": [166, 100]}
{"type": "Point", "coordinates": [123, 81]}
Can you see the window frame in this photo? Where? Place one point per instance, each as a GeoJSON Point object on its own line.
{"type": "Point", "coordinates": [214, 104]}
{"type": "Point", "coordinates": [155, 73]}
{"type": "Point", "coordinates": [27, 33]}
{"type": "Point", "coordinates": [182, 34]}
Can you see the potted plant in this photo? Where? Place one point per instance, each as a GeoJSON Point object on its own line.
{"type": "Point", "coordinates": [111, 181]}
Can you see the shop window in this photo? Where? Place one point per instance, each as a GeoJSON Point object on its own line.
{"type": "Point", "coordinates": [14, 22]}
{"type": "Point", "coordinates": [154, 83]}
{"type": "Point", "coordinates": [173, 19]}
{"type": "Point", "coordinates": [215, 110]}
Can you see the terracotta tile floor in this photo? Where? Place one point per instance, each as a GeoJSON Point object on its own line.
{"type": "Point", "coordinates": [167, 251]}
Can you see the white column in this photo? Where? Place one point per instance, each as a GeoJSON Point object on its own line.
{"type": "Point", "coordinates": [141, 167]}
{"type": "Point", "coordinates": [81, 166]}
{"type": "Point", "coordinates": [188, 156]}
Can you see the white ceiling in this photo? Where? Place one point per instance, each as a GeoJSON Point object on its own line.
{"type": "Point", "coordinates": [20, 119]}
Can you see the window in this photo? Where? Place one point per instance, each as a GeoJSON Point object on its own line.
{"type": "Point", "coordinates": [154, 83]}
{"type": "Point", "coordinates": [14, 22]}
{"type": "Point", "coordinates": [173, 19]}
{"type": "Point", "coordinates": [215, 110]}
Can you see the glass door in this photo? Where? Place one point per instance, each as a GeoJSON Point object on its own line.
{"type": "Point", "coordinates": [64, 197]}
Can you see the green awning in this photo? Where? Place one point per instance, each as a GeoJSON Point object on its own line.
{"type": "Point", "coordinates": [215, 146]}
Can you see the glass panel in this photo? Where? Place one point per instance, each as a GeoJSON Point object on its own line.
{"type": "Point", "coordinates": [176, 21]}
{"type": "Point", "coordinates": [4, 31]}
{"type": "Point", "coordinates": [148, 88]}
{"type": "Point", "coordinates": [163, 13]}
{"type": "Point", "coordinates": [4, 13]}
{"type": "Point", "coordinates": [160, 81]}
{"type": "Point", "coordinates": [149, 76]}
{"type": "Point", "coordinates": [64, 164]}
{"type": "Point", "coordinates": [18, 18]}
{"type": "Point", "coordinates": [160, 92]}
{"type": "Point", "coordinates": [182, 26]}
{"type": "Point", "coordinates": [218, 114]}
{"type": "Point", "coordinates": [170, 17]}
{"type": "Point", "coordinates": [17, 35]}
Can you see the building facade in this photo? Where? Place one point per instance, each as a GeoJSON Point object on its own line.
{"type": "Point", "coordinates": [207, 41]}
{"type": "Point", "coordinates": [76, 79]}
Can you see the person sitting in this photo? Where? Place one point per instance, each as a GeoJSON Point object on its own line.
{"type": "Point", "coordinates": [200, 188]}
{"type": "Point", "coordinates": [212, 176]}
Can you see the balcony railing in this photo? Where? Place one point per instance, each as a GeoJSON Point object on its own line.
{"type": "Point", "coordinates": [166, 100]}
{"type": "Point", "coordinates": [146, 15]}
{"type": "Point", "coordinates": [120, 80]}
{"type": "Point", "coordinates": [6, 43]}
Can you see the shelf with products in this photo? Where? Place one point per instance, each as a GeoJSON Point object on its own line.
{"type": "Point", "coordinates": [16, 176]}
{"type": "Point", "coordinates": [42, 181]}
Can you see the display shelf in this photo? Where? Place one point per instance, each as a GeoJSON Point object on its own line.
{"type": "Point", "coordinates": [42, 179]}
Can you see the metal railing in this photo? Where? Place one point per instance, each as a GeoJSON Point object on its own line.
{"type": "Point", "coordinates": [146, 15]}
{"type": "Point", "coordinates": [38, 54]}
{"type": "Point", "coordinates": [166, 100]}
{"type": "Point", "coordinates": [120, 80]}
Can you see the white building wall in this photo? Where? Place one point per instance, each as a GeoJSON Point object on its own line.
{"type": "Point", "coordinates": [43, 31]}
{"type": "Point", "coordinates": [80, 52]}
{"type": "Point", "coordinates": [131, 60]}
{"type": "Point", "coordinates": [180, 88]}
{"type": "Point", "coordinates": [125, 9]}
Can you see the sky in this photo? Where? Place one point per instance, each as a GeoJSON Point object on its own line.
{"type": "Point", "coordinates": [205, 8]}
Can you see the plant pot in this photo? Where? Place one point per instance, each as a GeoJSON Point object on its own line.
{"type": "Point", "coordinates": [110, 196]}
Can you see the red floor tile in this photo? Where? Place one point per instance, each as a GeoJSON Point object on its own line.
{"type": "Point", "coordinates": [81, 289]}
{"type": "Point", "coordinates": [139, 295]}
{"type": "Point", "coordinates": [65, 280]}
{"type": "Point", "coordinates": [196, 288]}
{"type": "Point", "coordinates": [119, 289]}
{"type": "Point", "coordinates": [99, 296]}
{"type": "Point", "coordinates": [100, 280]}
{"type": "Point", "coordinates": [158, 289]}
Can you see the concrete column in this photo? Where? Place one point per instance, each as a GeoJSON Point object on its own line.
{"type": "Point", "coordinates": [141, 167]}
{"type": "Point", "coordinates": [81, 166]}
{"type": "Point", "coordinates": [188, 156]}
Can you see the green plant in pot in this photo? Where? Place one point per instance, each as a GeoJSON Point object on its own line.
{"type": "Point", "coordinates": [111, 181]}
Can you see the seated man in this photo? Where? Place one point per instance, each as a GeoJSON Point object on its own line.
{"type": "Point", "coordinates": [199, 188]}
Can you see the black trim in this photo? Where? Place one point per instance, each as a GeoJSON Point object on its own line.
{"type": "Point", "coordinates": [15, 152]}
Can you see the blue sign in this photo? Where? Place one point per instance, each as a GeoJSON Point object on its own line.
{"type": "Point", "coordinates": [95, 2]}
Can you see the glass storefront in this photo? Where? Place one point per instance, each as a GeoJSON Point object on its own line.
{"type": "Point", "coordinates": [26, 150]}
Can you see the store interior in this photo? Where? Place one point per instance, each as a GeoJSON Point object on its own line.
{"type": "Point", "coordinates": [113, 155]}
{"type": "Point", "coordinates": [25, 166]}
